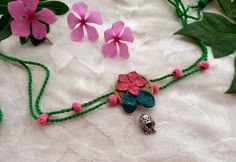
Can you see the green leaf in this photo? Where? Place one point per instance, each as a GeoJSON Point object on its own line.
{"type": "Point", "coordinates": [3, 7]}
{"type": "Point", "coordinates": [24, 40]}
{"type": "Point", "coordinates": [5, 29]}
{"type": "Point", "coordinates": [146, 99]}
{"type": "Point", "coordinates": [232, 88]}
{"type": "Point", "coordinates": [59, 8]}
{"type": "Point", "coordinates": [129, 103]}
{"type": "Point", "coordinates": [215, 30]}
{"type": "Point", "coordinates": [229, 7]}
{"type": "Point", "coordinates": [35, 41]}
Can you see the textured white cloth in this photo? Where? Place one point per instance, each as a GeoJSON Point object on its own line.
{"type": "Point", "coordinates": [196, 121]}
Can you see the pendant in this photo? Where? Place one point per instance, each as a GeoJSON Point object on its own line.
{"type": "Point", "coordinates": [147, 124]}
{"type": "Point", "coordinates": [133, 90]}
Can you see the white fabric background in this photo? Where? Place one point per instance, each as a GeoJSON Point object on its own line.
{"type": "Point", "coordinates": [196, 121]}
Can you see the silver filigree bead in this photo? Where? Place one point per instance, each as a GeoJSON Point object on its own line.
{"type": "Point", "coordinates": [147, 124]}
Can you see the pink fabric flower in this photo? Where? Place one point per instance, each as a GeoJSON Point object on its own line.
{"type": "Point", "coordinates": [116, 36]}
{"type": "Point", "coordinates": [24, 15]}
{"type": "Point", "coordinates": [77, 23]}
{"type": "Point", "coordinates": [131, 82]}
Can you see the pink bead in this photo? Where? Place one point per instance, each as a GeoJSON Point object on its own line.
{"type": "Point", "coordinates": [178, 72]}
{"type": "Point", "coordinates": [77, 107]}
{"type": "Point", "coordinates": [42, 119]}
{"type": "Point", "coordinates": [113, 100]}
{"type": "Point", "coordinates": [155, 88]}
{"type": "Point", "coordinates": [204, 65]}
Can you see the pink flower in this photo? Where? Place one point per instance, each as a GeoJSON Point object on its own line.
{"type": "Point", "coordinates": [116, 35]}
{"type": "Point", "coordinates": [77, 23]}
{"type": "Point", "coordinates": [131, 82]}
{"type": "Point", "coordinates": [25, 18]}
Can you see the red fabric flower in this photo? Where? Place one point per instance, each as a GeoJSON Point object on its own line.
{"type": "Point", "coordinates": [131, 82]}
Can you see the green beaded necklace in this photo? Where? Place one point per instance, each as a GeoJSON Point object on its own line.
{"type": "Point", "coordinates": [36, 111]}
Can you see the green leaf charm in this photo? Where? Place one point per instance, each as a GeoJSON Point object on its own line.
{"type": "Point", "coordinates": [129, 103]}
{"type": "Point", "coordinates": [146, 99]}
{"type": "Point", "coordinates": [232, 88]}
{"type": "Point", "coordinates": [229, 7]}
{"type": "Point", "coordinates": [216, 31]}
{"type": "Point", "coordinates": [5, 29]}
{"type": "Point", "coordinates": [59, 8]}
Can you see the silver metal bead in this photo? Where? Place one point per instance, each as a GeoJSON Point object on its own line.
{"type": "Point", "coordinates": [147, 124]}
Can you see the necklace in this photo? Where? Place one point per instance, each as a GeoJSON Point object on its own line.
{"type": "Point", "coordinates": [132, 90]}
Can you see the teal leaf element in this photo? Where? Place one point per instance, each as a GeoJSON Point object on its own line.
{"type": "Point", "coordinates": [129, 103]}
{"type": "Point", "coordinates": [232, 88]}
{"type": "Point", "coordinates": [5, 29]}
{"type": "Point", "coordinates": [59, 8]}
{"type": "Point", "coordinates": [145, 99]}
{"type": "Point", "coordinates": [216, 31]}
{"type": "Point", "coordinates": [229, 7]}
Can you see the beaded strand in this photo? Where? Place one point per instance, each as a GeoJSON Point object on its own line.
{"type": "Point", "coordinates": [44, 117]}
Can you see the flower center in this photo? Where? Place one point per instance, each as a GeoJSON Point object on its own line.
{"type": "Point", "coordinates": [82, 21]}
{"type": "Point", "coordinates": [116, 39]}
{"type": "Point", "coordinates": [32, 17]}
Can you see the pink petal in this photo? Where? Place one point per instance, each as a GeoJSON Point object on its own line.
{"type": "Point", "coordinates": [95, 17]}
{"type": "Point", "coordinates": [20, 27]}
{"type": "Point", "coordinates": [117, 27]}
{"type": "Point", "coordinates": [124, 78]}
{"type": "Point", "coordinates": [80, 8]}
{"type": "Point", "coordinates": [124, 53]}
{"type": "Point", "coordinates": [123, 87]}
{"type": "Point", "coordinates": [92, 33]}
{"type": "Point", "coordinates": [31, 4]}
{"type": "Point", "coordinates": [133, 75]}
{"type": "Point", "coordinates": [72, 20]}
{"type": "Point", "coordinates": [140, 82]}
{"type": "Point", "coordinates": [39, 30]}
{"type": "Point", "coordinates": [133, 90]}
{"type": "Point", "coordinates": [77, 34]}
{"type": "Point", "coordinates": [127, 35]}
{"type": "Point", "coordinates": [17, 9]}
{"type": "Point", "coordinates": [108, 35]}
{"type": "Point", "coordinates": [46, 16]}
{"type": "Point", "coordinates": [109, 49]}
